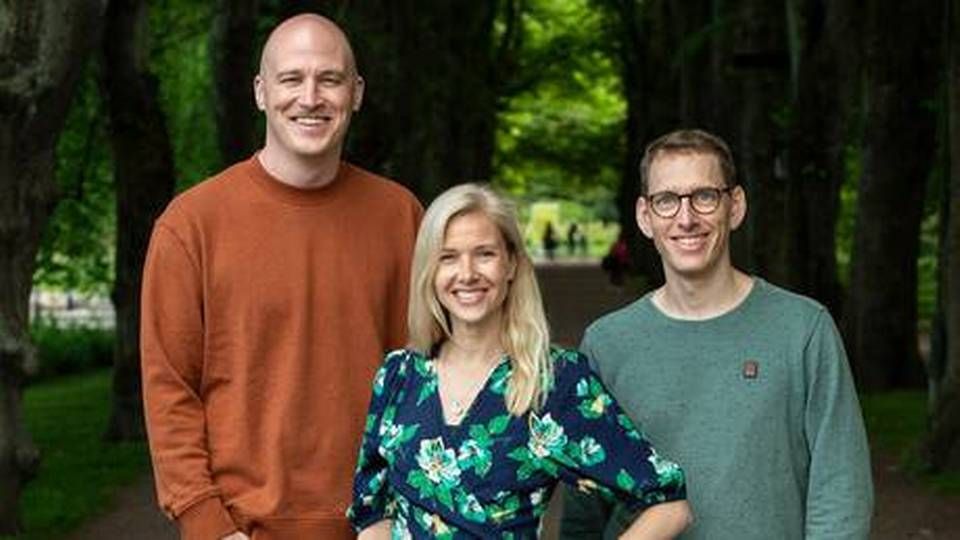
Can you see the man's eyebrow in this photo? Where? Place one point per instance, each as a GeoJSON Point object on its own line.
{"type": "Point", "coordinates": [286, 72]}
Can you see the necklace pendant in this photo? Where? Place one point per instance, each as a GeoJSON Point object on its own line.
{"type": "Point", "coordinates": [458, 409]}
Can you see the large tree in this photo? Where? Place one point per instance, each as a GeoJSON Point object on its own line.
{"type": "Point", "coordinates": [825, 86]}
{"type": "Point", "coordinates": [943, 444]}
{"type": "Point", "coordinates": [880, 315]}
{"type": "Point", "coordinates": [43, 47]}
{"type": "Point", "coordinates": [233, 41]}
{"type": "Point", "coordinates": [754, 56]}
{"type": "Point", "coordinates": [433, 79]}
{"type": "Point", "coordinates": [645, 45]}
{"type": "Point", "coordinates": [144, 180]}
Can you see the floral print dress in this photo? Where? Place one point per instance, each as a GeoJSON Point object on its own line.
{"type": "Point", "coordinates": [492, 475]}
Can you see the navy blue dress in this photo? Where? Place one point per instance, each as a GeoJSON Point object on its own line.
{"type": "Point", "coordinates": [492, 475]}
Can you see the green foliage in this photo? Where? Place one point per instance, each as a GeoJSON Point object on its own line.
{"type": "Point", "coordinates": [847, 213]}
{"type": "Point", "coordinates": [927, 261]}
{"type": "Point", "coordinates": [560, 131]}
{"type": "Point", "coordinates": [77, 252]}
{"type": "Point", "coordinates": [179, 58]}
{"type": "Point", "coordinates": [63, 350]}
{"type": "Point", "coordinates": [79, 471]}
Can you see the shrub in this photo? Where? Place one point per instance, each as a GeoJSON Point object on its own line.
{"type": "Point", "coordinates": [70, 349]}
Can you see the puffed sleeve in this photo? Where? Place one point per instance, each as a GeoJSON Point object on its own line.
{"type": "Point", "coordinates": [371, 501]}
{"type": "Point", "coordinates": [595, 446]}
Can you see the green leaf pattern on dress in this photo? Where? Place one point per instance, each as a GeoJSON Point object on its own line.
{"type": "Point", "coordinates": [443, 469]}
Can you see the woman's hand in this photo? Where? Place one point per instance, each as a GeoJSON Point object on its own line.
{"type": "Point", "coordinates": [660, 522]}
{"type": "Point", "coordinates": [378, 531]}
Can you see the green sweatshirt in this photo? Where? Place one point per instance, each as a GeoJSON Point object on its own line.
{"type": "Point", "coordinates": [757, 405]}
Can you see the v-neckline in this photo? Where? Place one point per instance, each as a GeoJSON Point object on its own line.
{"type": "Point", "coordinates": [473, 406]}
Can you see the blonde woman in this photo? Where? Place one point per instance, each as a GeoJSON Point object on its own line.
{"type": "Point", "coordinates": [470, 428]}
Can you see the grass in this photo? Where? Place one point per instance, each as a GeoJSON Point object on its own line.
{"type": "Point", "coordinates": [896, 423]}
{"type": "Point", "coordinates": [79, 472]}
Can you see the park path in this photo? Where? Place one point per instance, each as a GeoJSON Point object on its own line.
{"type": "Point", "coordinates": [575, 293]}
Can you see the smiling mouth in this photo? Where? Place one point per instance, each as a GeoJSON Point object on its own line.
{"type": "Point", "coordinates": [690, 241]}
{"type": "Point", "coordinates": [312, 121]}
{"type": "Point", "coordinates": [469, 296]}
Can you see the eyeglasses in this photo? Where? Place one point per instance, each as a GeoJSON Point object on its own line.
{"type": "Point", "coordinates": [703, 201]}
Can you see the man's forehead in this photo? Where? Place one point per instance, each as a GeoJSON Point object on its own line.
{"type": "Point", "coordinates": [307, 41]}
{"type": "Point", "coordinates": [307, 60]}
{"type": "Point", "coordinates": [694, 165]}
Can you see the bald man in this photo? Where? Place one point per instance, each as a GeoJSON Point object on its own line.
{"type": "Point", "coordinates": [270, 294]}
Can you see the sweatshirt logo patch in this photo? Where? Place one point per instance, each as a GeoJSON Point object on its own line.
{"type": "Point", "coordinates": [751, 369]}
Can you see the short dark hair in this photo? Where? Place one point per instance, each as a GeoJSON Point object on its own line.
{"type": "Point", "coordinates": [689, 141]}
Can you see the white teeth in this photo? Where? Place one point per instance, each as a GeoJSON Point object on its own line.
{"type": "Point", "coordinates": [309, 121]}
{"type": "Point", "coordinates": [468, 297]}
{"type": "Point", "coordinates": [689, 241]}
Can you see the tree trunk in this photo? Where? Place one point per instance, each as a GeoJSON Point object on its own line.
{"type": "Point", "coordinates": [429, 113]}
{"type": "Point", "coordinates": [43, 45]}
{"type": "Point", "coordinates": [232, 50]}
{"type": "Point", "coordinates": [943, 443]}
{"type": "Point", "coordinates": [758, 62]}
{"type": "Point", "coordinates": [825, 87]}
{"type": "Point", "coordinates": [144, 179]}
{"type": "Point", "coordinates": [642, 49]}
{"type": "Point", "coordinates": [658, 43]}
{"type": "Point", "coordinates": [899, 150]}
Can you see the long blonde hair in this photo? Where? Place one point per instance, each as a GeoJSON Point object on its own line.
{"type": "Point", "coordinates": [524, 332]}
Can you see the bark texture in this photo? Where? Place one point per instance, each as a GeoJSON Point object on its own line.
{"type": "Point", "coordinates": [232, 54]}
{"type": "Point", "coordinates": [662, 47]}
{"type": "Point", "coordinates": [898, 153]}
{"type": "Point", "coordinates": [429, 114]}
{"type": "Point", "coordinates": [826, 83]}
{"type": "Point", "coordinates": [144, 180]}
{"type": "Point", "coordinates": [43, 46]}
{"type": "Point", "coordinates": [433, 79]}
{"type": "Point", "coordinates": [943, 444]}
{"type": "Point", "coordinates": [757, 62]}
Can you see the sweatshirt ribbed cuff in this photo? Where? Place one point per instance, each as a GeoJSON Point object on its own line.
{"type": "Point", "coordinates": [207, 519]}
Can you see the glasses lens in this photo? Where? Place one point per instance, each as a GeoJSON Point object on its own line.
{"type": "Point", "coordinates": [665, 203]}
{"type": "Point", "coordinates": [705, 199]}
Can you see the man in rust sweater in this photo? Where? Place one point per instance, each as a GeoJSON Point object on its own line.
{"type": "Point", "coordinates": [269, 296]}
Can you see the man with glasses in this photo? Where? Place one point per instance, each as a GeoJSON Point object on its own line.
{"type": "Point", "coordinates": [745, 383]}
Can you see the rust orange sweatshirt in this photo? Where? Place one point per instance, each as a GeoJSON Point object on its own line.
{"type": "Point", "coordinates": [266, 310]}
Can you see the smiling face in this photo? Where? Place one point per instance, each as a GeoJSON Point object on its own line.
{"type": "Point", "coordinates": [691, 245]}
{"type": "Point", "coordinates": [474, 270]}
{"type": "Point", "coordinates": [308, 89]}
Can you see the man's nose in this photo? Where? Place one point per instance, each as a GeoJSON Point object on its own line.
{"type": "Point", "coordinates": [686, 216]}
{"type": "Point", "coordinates": [311, 95]}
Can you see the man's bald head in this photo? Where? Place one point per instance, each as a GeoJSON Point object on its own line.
{"type": "Point", "coordinates": [306, 26]}
{"type": "Point", "coordinates": [308, 89]}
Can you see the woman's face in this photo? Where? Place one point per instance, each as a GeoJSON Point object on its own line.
{"type": "Point", "coordinates": [474, 271]}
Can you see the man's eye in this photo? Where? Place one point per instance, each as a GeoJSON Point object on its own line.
{"type": "Point", "coordinates": [705, 195]}
{"type": "Point", "coordinates": [665, 199]}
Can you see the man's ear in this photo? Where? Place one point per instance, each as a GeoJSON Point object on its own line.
{"type": "Point", "coordinates": [643, 217]}
{"type": "Point", "coordinates": [738, 207]}
{"type": "Point", "coordinates": [358, 93]}
{"type": "Point", "coordinates": [258, 92]}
